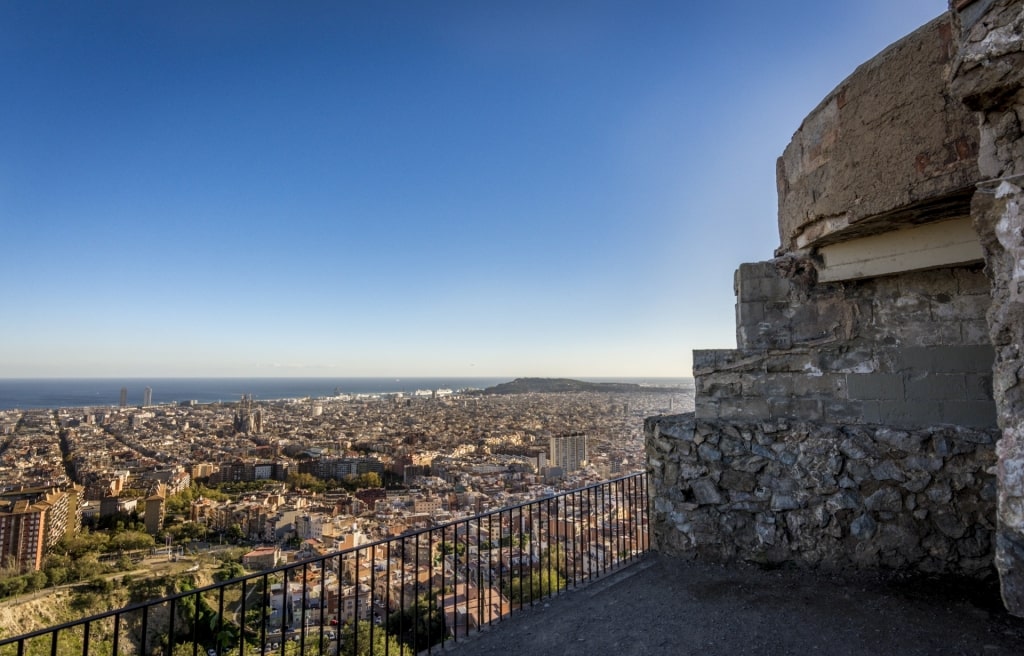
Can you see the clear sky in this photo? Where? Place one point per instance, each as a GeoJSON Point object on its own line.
{"type": "Point", "coordinates": [492, 188]}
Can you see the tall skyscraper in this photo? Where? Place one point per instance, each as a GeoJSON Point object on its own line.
{"type": "Point", "coordinates": [147, 397]}
{"type": "Point", "coordinates": [124, 397]}
{"type": "Point", "coordinates": [569, 451]}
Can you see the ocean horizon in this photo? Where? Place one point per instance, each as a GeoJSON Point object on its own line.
{"type": "Point", "coordinates": [35, 393]}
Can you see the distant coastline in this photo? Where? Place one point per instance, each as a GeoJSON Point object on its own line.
{"type": "Point", "coordinates": [35, 393]}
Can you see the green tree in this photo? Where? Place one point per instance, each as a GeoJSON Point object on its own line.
{"type": "Point", "coordinates": [369, 479]}
{"type": "Point", "coordinates": [535, 585]}
{"type": "Point", "coordinates": [420, 625]}
{"type": "Point", "coordinates": [86, 567]}
{"type": "Point", "coordinates": [357, 641]}
{"type": "Point", "coordinates": [131, 541]}
{"type": "Point", "coordinates": [234, 533]}
{"type": "Point", "coordinates": [228, 571]}
{"type": "Point", "coordinates": [303, 481]}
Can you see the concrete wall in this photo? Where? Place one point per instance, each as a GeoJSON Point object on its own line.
{"type": "Point", "coordinates": [823, 495]}
{"type": "Point", "coordinates": [888, 146]}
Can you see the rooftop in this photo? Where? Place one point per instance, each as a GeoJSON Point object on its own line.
{"type": "Point", "coordinates": [665, 606]}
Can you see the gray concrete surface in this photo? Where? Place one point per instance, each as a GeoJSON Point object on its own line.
{"type": "Point", "coordinates": [664, 606]}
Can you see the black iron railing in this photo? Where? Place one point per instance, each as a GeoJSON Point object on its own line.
{"type": "Point", "coordinates": [402, 595]}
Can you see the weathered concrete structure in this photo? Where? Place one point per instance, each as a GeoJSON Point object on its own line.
{"type": "Point", "coordinates": [871, 414]}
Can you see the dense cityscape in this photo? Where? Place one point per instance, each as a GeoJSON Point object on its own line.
{"type": "Point", "coordinates": [290, 479]}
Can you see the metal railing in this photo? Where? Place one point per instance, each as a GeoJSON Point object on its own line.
{"type": "Point", "coordinates": [402, 595]}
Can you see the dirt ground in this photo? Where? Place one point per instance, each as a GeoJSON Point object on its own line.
{"type": "Point", "coordinates": [663, 606]}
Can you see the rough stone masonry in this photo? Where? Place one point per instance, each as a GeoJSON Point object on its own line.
{"type": "Point", "coordinates": [871, 414]}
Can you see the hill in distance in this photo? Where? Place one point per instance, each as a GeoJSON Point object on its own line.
{"type": "Point", "coordinates": [549, 385]}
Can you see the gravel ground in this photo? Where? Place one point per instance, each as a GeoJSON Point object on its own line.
{"type": "Point", "coordinates": [664, 606]}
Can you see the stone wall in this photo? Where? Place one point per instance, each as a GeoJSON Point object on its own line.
{"type": "Point", "coordinates": [780, 305]}
{"type": "Point", "coordinates": [823, 495]}
{"type": "Point", "coordinates": [989, 78]}
{"type": "Point", "coordinates": [905, 350]}
{"type": "Point", "coordinates": [903, 387]}
{"type": "Point", "coordinates": [873, 412]}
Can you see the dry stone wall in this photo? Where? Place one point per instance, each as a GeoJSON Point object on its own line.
{"type": "Point", "coordinates": [824, 495]}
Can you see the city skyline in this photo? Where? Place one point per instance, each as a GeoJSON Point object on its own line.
{"type": "Point", "coordinates": [399, 189]}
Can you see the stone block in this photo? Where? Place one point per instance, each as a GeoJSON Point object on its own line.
{"type": "Point", "coordinates": [932, 333]}
{"type": "Point", "coordinates": [820, 385]}
{"type": "Point", "coordinates": [841, 411]}
{"type": "Point", "coordinates": [796, 409]}
{"type": "Point", "coordinates": [750, 313]}
{"type": "Point", "coordinates": [874, 387]}
{"type": "Point", "coordinates": [967, 359]}
{"type": "Point", "coordinates": [971, 306]}
{"type": "Point", "coordinates": [871, 412]}
{"type": "Point", "coordinates": [975, 414]}
{"type": "Point", "coordinates": [974, 332]}
{"type": "Point", "coordinates": [721, 386]}
{"type": "Point", "coordinates": [915, 358]}
{"type": "Point", "coordinates": [972, 280]}
{"type": "Point", "coordinates": [907, 441]}
{"type": "Point", "coordinates": [936, 387]}
{"type": "Point", "coordinates": [750, 409]}
{"type": "Point", "coordinates": [884, 499]}
{"type": "Point", "coordinates": [706, 408]}
{"type": "Point", "coordinates": [705, 360]}
{"type": "Point", "coordinates": [795, 362]}
{"type": "Point", "coordinates": [932, 282]}
{"type": "Point", "coordinates": [705, 492]}
{"type": "Point", "coordinates": [737, 481]}
{"type": "Point", "coordinates": [775, 386]}
{"type": "Point", "coordinates": [979, 387]}
{"type": "Point", "coordinates": [916, 413]}
{"type": "Point", "coordinates": [852, 360]}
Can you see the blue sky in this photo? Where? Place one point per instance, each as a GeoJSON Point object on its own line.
{"type": "Point", "coordinates": [398, 188]}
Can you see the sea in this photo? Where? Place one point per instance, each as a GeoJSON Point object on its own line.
{"type": "Point", "coordinates": [28, 393]}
